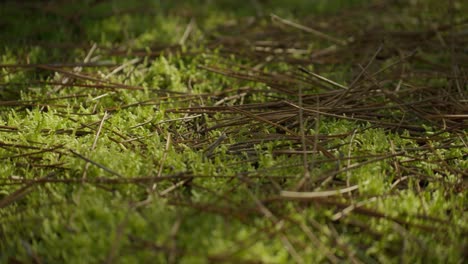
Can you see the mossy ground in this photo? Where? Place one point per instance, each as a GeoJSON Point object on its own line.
{"type": "Point", "coordinates": [169, 131]}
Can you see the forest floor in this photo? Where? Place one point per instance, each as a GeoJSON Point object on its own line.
{"type": "Point", "coordinates": [225, 132]}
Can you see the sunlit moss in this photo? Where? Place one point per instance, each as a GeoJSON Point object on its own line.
{"type": "Point", "coordinates": [230, 209]}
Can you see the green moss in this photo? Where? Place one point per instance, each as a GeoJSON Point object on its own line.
{"type": "Point", "coordinates": [76, 188]}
